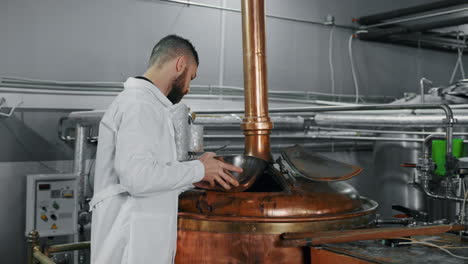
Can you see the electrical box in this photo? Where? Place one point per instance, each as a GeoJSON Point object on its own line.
{"type": "Point", "coordinates": [51, 204]}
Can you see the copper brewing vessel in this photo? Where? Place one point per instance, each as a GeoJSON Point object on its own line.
{"type": "Point", "coordinates": [245, 227]}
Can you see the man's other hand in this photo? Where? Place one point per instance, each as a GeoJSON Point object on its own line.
{"type": "Point", "coordinates": [216, 171]}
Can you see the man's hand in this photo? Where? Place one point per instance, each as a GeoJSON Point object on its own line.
{"type": "Point", "coordinates": [216, 171]}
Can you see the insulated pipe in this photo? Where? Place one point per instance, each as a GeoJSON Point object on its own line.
{"type": "Point", "coordinates": [41, 257]}
{"type": "Point", "coordinates": [449, 120]}
{"type": "Point", "coordinates": [371, 109]}
{"type": "Point", "coordinates": [380, 33]}
{"type": "Point", "coordinates": [384, 120]}
{"type": "Point", "coordinates": [79, 169]}
{"type": "Point", "coordinates": [256, 123]}
{"type": "Point", "coordinates": [79, 163]}
{"type": "Point", "coordinates": [380, 131]}
{"type": "Point", "coordinates": [373, 19]}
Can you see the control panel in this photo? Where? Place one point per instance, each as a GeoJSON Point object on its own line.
{"type": "Point", "coordinates": [51, 204]}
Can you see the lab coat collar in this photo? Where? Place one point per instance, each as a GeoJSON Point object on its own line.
{"type": "Point", "coordinates": [151, 88]}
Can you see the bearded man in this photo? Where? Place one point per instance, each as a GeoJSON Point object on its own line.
{"type": "Point", "coordinates": [138, 178]}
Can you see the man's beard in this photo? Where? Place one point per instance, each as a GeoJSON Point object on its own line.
{"type": "Point", "coordinates": [176, 93]}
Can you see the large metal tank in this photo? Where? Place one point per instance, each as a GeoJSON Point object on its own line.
{"type": "Point", "coordinates": [245, 227]}
{"type": "Point", "coordinates": [396, 182]}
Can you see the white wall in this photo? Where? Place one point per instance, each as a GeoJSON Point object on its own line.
{"type": "Point", "coordinates": [109, 40]}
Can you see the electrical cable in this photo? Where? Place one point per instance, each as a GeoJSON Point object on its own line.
{"type": "Point", "coordinates": [330, 60]}
{"type": "Point", "coordinates": [433, 245]}
{"type": "Point", "coordinates": [54, 82]}
{"type": "Point", "coordinates": [463, 206]}
{"type": "Point", "coordinates": [19, 141]}
{"type": "Point", "coordinates": [26, 149]}
{"type": "Point", "coordinates": [351, 60]}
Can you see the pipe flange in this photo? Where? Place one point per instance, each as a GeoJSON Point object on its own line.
{"type": "Point", "coordinates": [450, 120]}
{"type": "Point", "coordinates": [256, 126]}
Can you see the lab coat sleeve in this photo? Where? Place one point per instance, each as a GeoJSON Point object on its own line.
{"type": "Point", "coordinates": [139, 150]}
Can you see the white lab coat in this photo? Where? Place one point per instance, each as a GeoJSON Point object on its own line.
{"type": "Point", "coordinates": [138, 180]}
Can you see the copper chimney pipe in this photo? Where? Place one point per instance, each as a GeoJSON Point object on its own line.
{"type": "Point", "coordinates": [256, 123]}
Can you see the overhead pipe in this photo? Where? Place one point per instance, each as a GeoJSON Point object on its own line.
{"type": "Point", "coordinates": [116, 87]}
{"type": "Point", "coordinates": [374, 108]}
{"type": "Point", "coordinates": [416, 40]}
{"type": "Point", "coordinates": [383, 131]}
{"type": "Point", "coordinates": [377, 18]}
{"type": "Point", "coordinates": [382, 33]}
{"type": "Point", "coordinates": [420, 17]}
{"type": "Point", "coordinates": [256, 124]}
{"type": "Point", "coordinates": [291, 19]}
{"type": "Point", "coordinates": [449, 121]}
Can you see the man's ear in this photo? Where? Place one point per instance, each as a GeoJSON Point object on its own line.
{"type": "Point", "coordinates": [181, 63]}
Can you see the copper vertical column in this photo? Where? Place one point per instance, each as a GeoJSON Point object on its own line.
{"type": "Point", "coordinates": [256, 123]}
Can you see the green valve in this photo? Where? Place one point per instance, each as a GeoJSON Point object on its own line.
{"type": "Point", "coordinates": [55, 205]}
{"type": "Point", "coordinates": [439, 150]}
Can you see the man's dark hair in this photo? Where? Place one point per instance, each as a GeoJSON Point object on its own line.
{"type": "Point", "coordinates": [171, 47]}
